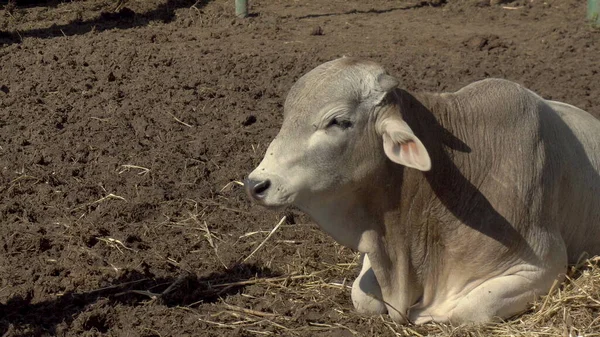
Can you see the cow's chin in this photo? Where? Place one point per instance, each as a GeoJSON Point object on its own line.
{"type": "Point", "coordinates": [276, 202]}
{"type": "Point", "coordinates": [275, 207]}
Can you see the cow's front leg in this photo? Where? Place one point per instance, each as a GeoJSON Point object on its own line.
{"type": "Point", "coordinates": [366, 292]}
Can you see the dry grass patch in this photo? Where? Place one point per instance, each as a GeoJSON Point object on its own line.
{"type": "Point", "coordinates": [571, 309]}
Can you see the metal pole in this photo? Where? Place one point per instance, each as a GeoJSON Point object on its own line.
{"type": "Point", "coordinates": [241, 8]}
{"type": "Point", "coordinates": [593, 13]}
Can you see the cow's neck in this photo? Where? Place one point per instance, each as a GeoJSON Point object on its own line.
{"type": "Point", "coordinates": [369, 222]}
{"type": "Point", "coordinates": [415, 219]}
{"type": "Point", "coordinates": [414, 209]}
{"type": "Point", "coordinates": [351, 224]}
{"type": "Point", "coordinates": [440, 212]}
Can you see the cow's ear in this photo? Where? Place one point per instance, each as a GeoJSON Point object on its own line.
{"type": "Point", "coordinates": [402, 146]}
{"type": "Point", "coordinates": [385, 84]}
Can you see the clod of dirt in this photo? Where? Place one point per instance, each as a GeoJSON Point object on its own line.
{"type": "Point", "coordinates": [133, 238]}
{"type": "Point", "coordinates": [90, 241]}
{"type": "Point", "coordinates": [433, 3]}
{"type": "Point", "coordinates": [317, 31]}
{"type": "Point", "coordinates": [481, 3]}
{"type": "Point", "coordinates": [111, 77]}
{"type": "Point", "coordinates": [484, 42]}
{"type": "Point", "coordinates": [10, 7]}
{"type": "Point", "coordinates": [249, 120]}
{"type": "Point", "coordinates": [44, 161]}
{"type": "Point", "coordinates": [97, 322]}
{"type": "Point", "coordinates": [4, 89]}
{"type": "Point", "coordinates": [487, 3]}
{"type": "Point", "coordinates": [124, 13]}
{"type": "Point", "coordinates": [290, 218]}
{"type": "Point", "coordinates": [44, 244]}
{"type": "Point", "coordinates": [136, 242]}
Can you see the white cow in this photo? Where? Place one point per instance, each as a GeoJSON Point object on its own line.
{"type": "Point", "coordinates": [465, 205]}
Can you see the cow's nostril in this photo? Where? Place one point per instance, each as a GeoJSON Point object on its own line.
{"type": "Point", "coordinates": [256, 188]}
{"type": "Point", "coordinates": [261, 187]}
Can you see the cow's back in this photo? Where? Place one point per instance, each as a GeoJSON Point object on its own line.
{"type": "Point", "coordinates": [536, 161]}
{"type": "Point", "coordinates": [577, 146]}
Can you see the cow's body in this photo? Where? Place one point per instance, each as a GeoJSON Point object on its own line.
{"type": "Point", "coordinates": [512, 196]}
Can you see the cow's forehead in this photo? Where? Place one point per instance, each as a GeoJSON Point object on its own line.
{"type": "Point", "coordinates": [343, 80]}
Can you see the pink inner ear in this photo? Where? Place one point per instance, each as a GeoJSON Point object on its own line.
{"type": "Point", "coordinates": [413, 147]}
{"type": "Point", "coordinates": [410, 146]}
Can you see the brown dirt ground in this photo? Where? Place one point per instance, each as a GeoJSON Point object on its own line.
{"type": "Point", "coordinates": [121, 134]}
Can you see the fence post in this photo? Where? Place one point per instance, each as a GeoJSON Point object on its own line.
{"type": "Point", "coordinates": [241, 8]}
{"type": "Point", "coordinates": [593, 13]}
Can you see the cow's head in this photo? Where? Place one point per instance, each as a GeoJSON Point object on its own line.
{"type": "Point", "coordinates": [341, 125]}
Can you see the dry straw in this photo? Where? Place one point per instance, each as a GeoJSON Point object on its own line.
{"type": "Point", "coordinates": [571, 309]}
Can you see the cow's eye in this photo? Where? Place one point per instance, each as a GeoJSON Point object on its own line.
{"type": "Point", "coordinates": [340, 123]}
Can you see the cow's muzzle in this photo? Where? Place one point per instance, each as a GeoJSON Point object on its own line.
{"type": "Point", "coordinates": [257, 189]}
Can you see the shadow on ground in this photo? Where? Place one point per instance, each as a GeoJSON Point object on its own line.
{"type": "Point", "coordinates": [133, 288]}
{"type": "Point", "coordinates": [125, 18]}
{"type": "Point", "coordinates": [419, 4]}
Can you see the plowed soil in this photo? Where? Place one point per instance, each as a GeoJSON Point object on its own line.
{"type": "Point", "coordinates": [122, 133]}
